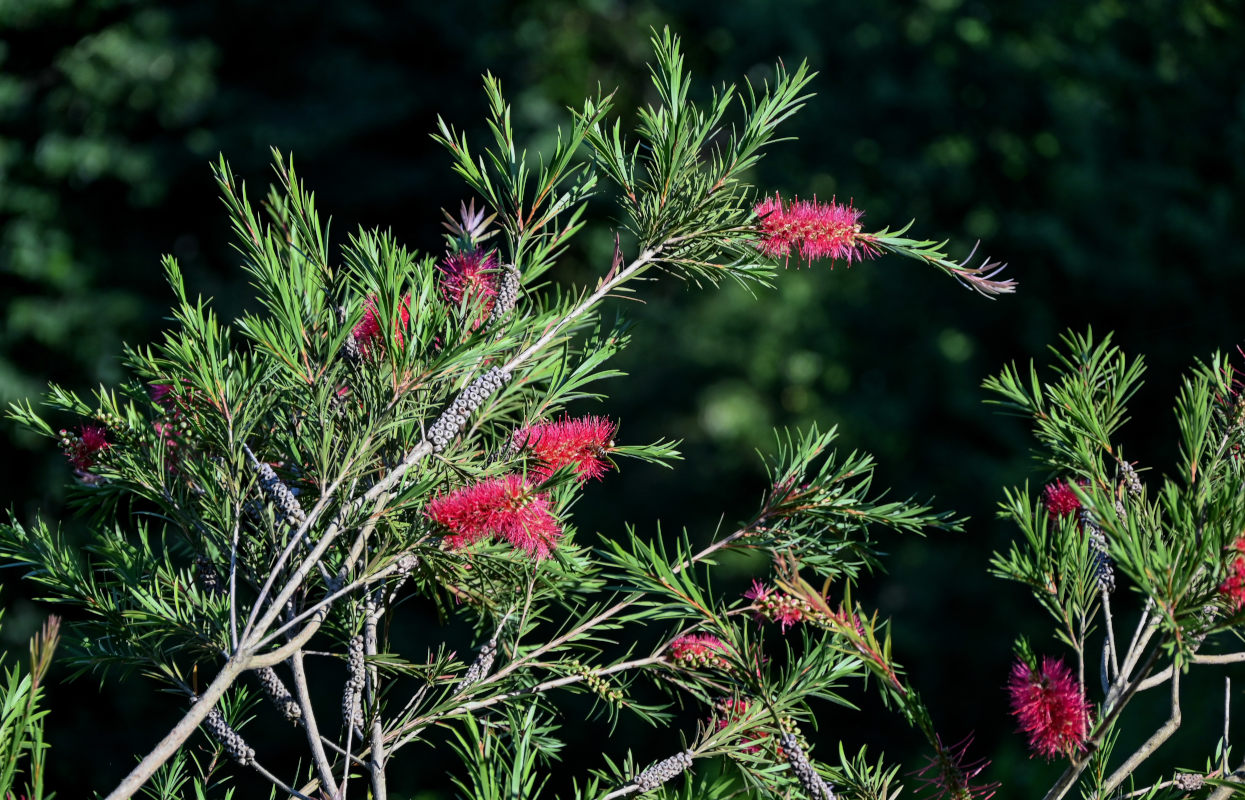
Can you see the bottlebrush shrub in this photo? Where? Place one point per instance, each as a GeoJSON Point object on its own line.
{"type": "Point", "coordinates": [389, 427]}
{"type": "Point", "coordinates": [1096, 528]}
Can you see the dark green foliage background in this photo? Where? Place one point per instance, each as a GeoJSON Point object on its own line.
{"type": "Point", "coordinates": [1099, 147]}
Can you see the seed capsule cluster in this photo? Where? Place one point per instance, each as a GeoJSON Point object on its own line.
{"type": "Point", "coordinates": [271, 683]}
{"type": "Point", "coordinates": [507, 294]}
{"type": "Point", "coordinates": [231, 740]}
{"type": "Point", "coordinates": [814, 786]}
{"type": "Point", "coordinates": [1103, 568]}
{"type": "Point", "coordinates": [351, 350]}
{"type": "Point", "coordinates": [480, 667]}
{"type": "Point", "coordinates": [1188, 781]}
{"type": "Point", "coordinates": [662, 771]}
{"type": "Point", "coordinates": [1131, 481]}
{"type": "Point", "coordinates": [455, 416]}
{"type": "Point", "coordinates": [209, 578]}
{"type": "Point", "coordinates": [352, 697]}
{"type": "Point", "coordinates": [278, 493]}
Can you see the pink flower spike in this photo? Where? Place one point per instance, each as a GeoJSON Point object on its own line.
{"type": "Point", "coordinates": [470, 276]}
{"type": "Point", "coordinates": [1050, 706]}
{"type": "Point", "coordinates": [502, 508]}
{"type": "Point", "coordinates": [814, 230]}
{"type": "Point", "coordinates": [368, 331]}
{"type": "Point", "coordinates": [83, 450]}
{"type": "Point", "coordinates": [699, 650]}
{"type": "Point", "coordinates": [581, 443]}
{"type": "Point", "coordinates": [1060, 499]}
{"type": "Point", "coordinates": [776, 606]}
{"type": "Point", "coordinates": [948, 774]}
{"type": "Point", "coordinates": [1233, 587]}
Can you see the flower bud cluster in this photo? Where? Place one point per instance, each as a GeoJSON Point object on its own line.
{"type": "Point", "coordinates": [352, 695]}
{"type": "Point", "coordinates": [455, 416]}
{"type": "Point", "coordinates": [699, 650]}
{"type": "Point", "coordinates": [814, 786]}
{"type": "Point", "coordinates": [592, 679]}
{"type": "Point", "coordinates": [85, 448]}
{"type": "Point", "coordinates": [275, 690]}
{"type": "Point", "coordinates": [231, 740]}
{"type": "Point", "coordinates": [662, 771]}
{"type": "Point", "coordinates": [785, 609]}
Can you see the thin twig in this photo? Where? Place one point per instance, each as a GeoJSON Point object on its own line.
{"type": "Point", "coordinates": [233, 578]}
{"type": "Point", "coordinates": [308, 719]}
{"type": "Point", "coordinates": [1153, 743]}
{"type": "Point", "coordinates": [280, 784]}
{"type": "Point", "coordinates": [377, 766]}
{"type": "Point", "coordinates": [1109, 619]}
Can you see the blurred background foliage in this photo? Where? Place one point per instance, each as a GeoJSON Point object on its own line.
{"type": "Point", "coordinates": [1096, 145]}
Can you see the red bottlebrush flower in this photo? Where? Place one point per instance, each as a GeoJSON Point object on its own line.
{"type": "Point", "coordinates": [1233, 587]}
{"type": "Point", "coordinates": [777, 606]}
{"type": "Point", "coordinates": [502, 508]}
{"type": "Point", "coordinates": [1050, 706]}
{"type": "Point", "coordinates": [814, 230]}
{"type": "Point", "coordinates": [83, 450]}
{"type": "Point", "coordinates": [948, 774]}
{"type": "Point", "coordinates": [581, 443]}
{"type": "Point", "coordinates": [470, 277]}
{"type": "Point", "coordinates": [730, 712]}
{"type": "Point", "coordinates": [699, 650]}
{"type": "Point", "coordinates": [1060, 499]}
{"type": "Point", "coordinates": [160, 395]}
{"type": "Point", "coordinates": [368, 331]}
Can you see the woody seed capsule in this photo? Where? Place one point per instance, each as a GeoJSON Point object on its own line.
{"type": "Point", "coordinates": [455, 416]}
{"type": "Point", "coordinates": [231, 740]}
{"type": "Point", "coordinates": [1130, 479]}
{"type": "Point", "coordinates": [662, 771]}
{"type": "Point", "coordinates": [352, 696]}
{"type": "Point", "coordinates": [507, 294]}
{"type": "Point", "coordinates": [271, 683]}
{"type": "Point", "coordinates": [480, 667]}
{"type": "Point", "coordinates": [209, 578]}
{"type": "Point", "coordinates": [814, 786]}
{"type": "Point", "coordinates": [278, 493]}
{"type": "Point", "coordinates": [1103, 569]}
